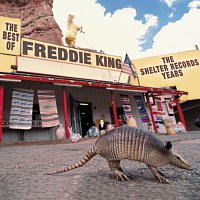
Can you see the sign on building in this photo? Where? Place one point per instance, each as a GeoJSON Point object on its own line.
{"type": "Point", "coordinates": [180, 69]}
{"type": "Point", "coordinates": [10, 34]}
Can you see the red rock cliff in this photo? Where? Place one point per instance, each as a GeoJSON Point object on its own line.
{"type": "Point", "coordinates": [37, 19]}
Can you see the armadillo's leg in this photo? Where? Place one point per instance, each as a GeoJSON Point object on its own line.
{"type": "Point", "coordinates": [117, 170]}
{"type": "Point", "coordinates": [162, 174]}
{"type": "Point", "coordinates": [158, 174]}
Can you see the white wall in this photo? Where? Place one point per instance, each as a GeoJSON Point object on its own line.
{"type": "Point", "coordinates": [34, 133]}
{"type": "Point", "coordinates": [98, 97]}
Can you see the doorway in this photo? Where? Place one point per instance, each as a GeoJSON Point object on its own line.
{"type": "Point", "coordinates": [86, 118]}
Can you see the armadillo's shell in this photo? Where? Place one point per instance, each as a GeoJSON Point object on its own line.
{"type": "Point", "coordinates": [133, 144]}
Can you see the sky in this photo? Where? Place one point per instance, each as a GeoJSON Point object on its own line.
{"type": "Point", "coordinates": [140, 28]}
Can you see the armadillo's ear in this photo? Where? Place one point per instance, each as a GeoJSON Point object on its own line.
{"type": "Point", "coordinates": [168, 145]}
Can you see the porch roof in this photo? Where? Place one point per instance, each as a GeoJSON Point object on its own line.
{"type": "Point", "coordinates": [74, 82]}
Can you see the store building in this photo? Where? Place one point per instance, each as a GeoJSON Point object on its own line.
{"type": "Point", "coordinates": [180, 71]}
{"type": "Point", "coordinates": [43, 85]}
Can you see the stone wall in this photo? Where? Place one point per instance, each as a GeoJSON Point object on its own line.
{"type": "Point", "coordinates": [37, 19]}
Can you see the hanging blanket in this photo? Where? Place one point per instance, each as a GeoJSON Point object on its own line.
{"type": "Point", "coordinates": [21, 109]}
{"type": "Point", "coordinates": [142, 109]}
{"type": "Point", "coordinates": [126, 106]}
{"type": "Point", "coordinates": [48, 108]}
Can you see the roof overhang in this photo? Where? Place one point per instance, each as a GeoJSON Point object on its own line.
{"type": "Point", "coordinates": [70, 82]}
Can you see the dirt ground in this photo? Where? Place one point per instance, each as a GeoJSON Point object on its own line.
{"type": "Point", "coordinates": [22, 170]}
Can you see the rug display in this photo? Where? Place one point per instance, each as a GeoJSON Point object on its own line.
{"type": "Point", "coordinates": [48, 108]}
{"type": "Point", "coordinates": [126, 106]}
{"type": "Point", "coordinates": [21, 109]}
{"type": "Point", "coordinates": [142, 109]}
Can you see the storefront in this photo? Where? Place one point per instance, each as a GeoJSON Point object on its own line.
{"type": "Point", "coordinates": [178, 70]}
{"type": "Point", "coordinates": [44, 85]}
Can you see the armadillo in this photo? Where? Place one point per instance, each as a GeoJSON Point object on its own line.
{"type": "Point", "coordinates": [132, 144]}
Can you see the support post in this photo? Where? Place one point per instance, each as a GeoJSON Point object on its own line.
{"type": "Point", "coordinates": [152, 116]}
{"type": "Point", "coordinates": [67, 134]}
{"type": "Point", "coordinates": [180, 112]}
{"type": "Point", "coordinates": [114, 110]}
{"type": "Point", "coordinates": [1, 111]}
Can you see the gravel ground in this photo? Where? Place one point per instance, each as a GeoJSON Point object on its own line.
{"type": "Point", "coordinates": [22, 176]}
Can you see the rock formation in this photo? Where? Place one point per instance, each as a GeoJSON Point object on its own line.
{"type": "Point", "coordinates": [37, 19]}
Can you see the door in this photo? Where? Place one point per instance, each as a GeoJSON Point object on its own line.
{"type": "Point", "coordinates": [86, 118]}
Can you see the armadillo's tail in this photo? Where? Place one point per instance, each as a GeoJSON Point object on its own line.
{"type": "Point", "coordinates": [90, 154]}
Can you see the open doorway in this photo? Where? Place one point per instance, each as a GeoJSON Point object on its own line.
{"type": "Point", "coordinates": [86, 118]}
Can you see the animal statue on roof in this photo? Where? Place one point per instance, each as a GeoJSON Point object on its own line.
{"type": "Point", "coordinates": [70, 38]}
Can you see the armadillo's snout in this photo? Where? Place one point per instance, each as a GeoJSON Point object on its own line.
{"type": "Point", "coordinates": [178, 161]}
{"type": "Point", "coordinates": [187, 166]}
